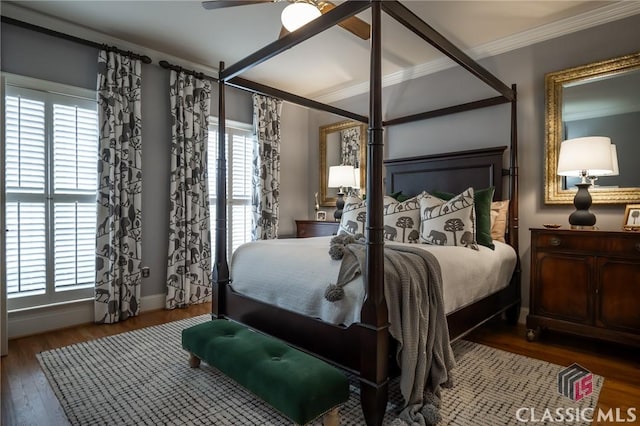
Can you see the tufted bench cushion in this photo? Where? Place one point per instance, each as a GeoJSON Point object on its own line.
{"type": "Point", "coordinates": [298, 385]}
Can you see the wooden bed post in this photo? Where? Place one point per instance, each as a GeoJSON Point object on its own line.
{"type": "Point", "coordinates": [220, 274]}
{"type": "Point", "coordinates": [374, 349]}
{"type": "Point", "coordinates": [513, 313]}
{"type": "Point", "coordinates": [513, 181]}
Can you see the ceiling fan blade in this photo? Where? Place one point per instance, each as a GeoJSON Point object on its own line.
{"type": "Point", "coordinates": [352, 24]}
{"type": "Point", "coordinates": [219, 4]}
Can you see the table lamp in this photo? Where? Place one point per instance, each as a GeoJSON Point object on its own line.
{"type": "Point", "coordinates": [584, 157]}
{"type": "Point", "coordinates": [341, 177]}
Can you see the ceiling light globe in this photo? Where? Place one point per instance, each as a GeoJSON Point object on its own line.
{"type": "Point", "coordinates": [296, 15]}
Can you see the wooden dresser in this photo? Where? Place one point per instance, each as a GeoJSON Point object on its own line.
{"type": "Point", "coordinates": [586, 283]}
{"type": "Point", "coordinates": [315, 228]}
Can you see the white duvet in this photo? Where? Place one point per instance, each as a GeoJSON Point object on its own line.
{"type": "Point", "coordinates": [294, 273]}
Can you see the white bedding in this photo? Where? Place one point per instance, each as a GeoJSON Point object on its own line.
{"type": "Point", "coordinates": [294, 273]}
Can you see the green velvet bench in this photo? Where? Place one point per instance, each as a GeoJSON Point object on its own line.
{"type": "Point", "coordinates": [296, 384]}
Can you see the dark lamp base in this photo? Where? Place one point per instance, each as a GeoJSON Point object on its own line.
{"type": "Point", "coordinates": [339, 206]}
{"type": "Point", "coordinates": [582, 217]}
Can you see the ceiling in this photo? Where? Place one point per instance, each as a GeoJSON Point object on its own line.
{"type": "Point", "coordinates": [194, 37]}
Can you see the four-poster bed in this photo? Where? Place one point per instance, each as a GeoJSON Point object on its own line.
{"type": "Point", "coordinates": [364, 347]}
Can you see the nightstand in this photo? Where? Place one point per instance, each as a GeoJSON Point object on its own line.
{"type": "Point", "coordinates": [315, 228]}
{"type": "Point", "coordinates": [585, 283]}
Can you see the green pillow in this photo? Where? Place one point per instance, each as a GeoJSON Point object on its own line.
{"type": "Point", "coordinates": [398, 196]}
{"type": "Point", "coordinates": [482, 199]}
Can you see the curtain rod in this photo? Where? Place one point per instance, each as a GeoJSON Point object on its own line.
{"type": "Point", "coordinates": [5, 19]}
{"type": "Point", "coordinates": [167, 65]}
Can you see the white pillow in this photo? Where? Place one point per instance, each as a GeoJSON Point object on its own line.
{"type": "Point", "coordinates": [449, 223]}
{"type": "Point", "coordinates": [499, 213]}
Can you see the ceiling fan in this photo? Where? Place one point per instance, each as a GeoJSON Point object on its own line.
{"type": "Point", "coordinates": [299, 13]}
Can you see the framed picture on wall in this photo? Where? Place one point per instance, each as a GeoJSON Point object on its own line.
{"type": "Point", "coordinates": [321, 215]}
{"type": "Point", "coordinates": [632, 218]}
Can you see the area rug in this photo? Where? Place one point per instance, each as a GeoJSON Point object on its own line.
{"type": "Point", "coordinates": [142, 377]}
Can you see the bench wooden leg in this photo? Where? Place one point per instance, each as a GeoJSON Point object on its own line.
{"type": "Point", "coordinates": [194, 361]}
{"type": "Point", "coordinates": [332, 418]}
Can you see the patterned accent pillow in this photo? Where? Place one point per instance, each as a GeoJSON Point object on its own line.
{"type": "Point", "coordinates": [354, 216]}
{"type": "Point", "coordinates": [482, 199]}
{"type": "Point", "coordinates": [402, 220]}
{"type": "Point", "coordinates": [499, 211]}
{"type": "Point", "coordinates": [450, 223]}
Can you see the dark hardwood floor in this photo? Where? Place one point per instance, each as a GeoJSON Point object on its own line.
{"type": "Point", "coordinates": [27, 398]}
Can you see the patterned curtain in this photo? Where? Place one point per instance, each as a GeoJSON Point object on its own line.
{"type": "Point", "coordinates": [189, 257]}
{"type": "Point", "coordinates": [350, 146]}
{"type": "Point", "coordinates": [119, 230]}
{"type": "Point", "coordinates": [266, 167]}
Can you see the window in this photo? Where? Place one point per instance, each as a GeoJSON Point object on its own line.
{"type": "Point", "coordinates": [239, 141]}
{"type": "Point", "coordinates": [51, 144]}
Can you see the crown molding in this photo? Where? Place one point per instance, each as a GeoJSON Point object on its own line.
{"type": "Point", "coordinates": [545, 32]}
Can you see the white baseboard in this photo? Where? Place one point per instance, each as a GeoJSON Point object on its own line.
{"type": "Point", "coordinates": [48, 318]}
{"type": "Point", "coordinates": [153, 302]}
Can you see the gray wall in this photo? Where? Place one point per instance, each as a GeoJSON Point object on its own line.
{"type": "Point", "coordinates": [489, 127]}
{"type": "Point", "coordinates": [294, 171]}
{"type": "Point", "coordinates": [32, 54]}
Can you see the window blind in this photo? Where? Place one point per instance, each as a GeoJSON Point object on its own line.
{"type": "Point", "coordinates": [239, 176]}
{"type": "Point", "coordinates": [51, 172]}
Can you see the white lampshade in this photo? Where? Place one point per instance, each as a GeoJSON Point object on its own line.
{"type": "Point", "coordinates": [296, 15]}
{"type": "Point", "coordinates": [588, 156]}
{"type": "Point", "coordinates": [614, 159]}
{"type": "Point", "coordinates": [341, 176]}
{"type": "Point", "coordinates": [356, 173]}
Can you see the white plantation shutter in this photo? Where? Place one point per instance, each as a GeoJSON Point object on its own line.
{"type": "Point", "coordinates": [51, 153]}
{"type": "Point", "coordinates": [75, 146]}
{"type": "Point", "coordinates": [239, 165]}
{"type": "Point", "coordinates": [25, 248]}
{"type": "Point", "coordinates": [25, 145]}
{"type": "Point", "coordinates": [74, 242]}
{"type": "Point", "coordinates": [25, 187]}
{"type": "Point", "coordinates": [242, 154]}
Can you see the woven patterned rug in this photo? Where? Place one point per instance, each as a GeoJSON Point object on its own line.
{"type": "Point", "coordinates": [143, 377]}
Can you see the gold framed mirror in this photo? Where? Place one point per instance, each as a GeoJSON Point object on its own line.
{"type": "Point", "coordinates": [598, 99]}
{"type": "Point", "coordinates": [343, 143]}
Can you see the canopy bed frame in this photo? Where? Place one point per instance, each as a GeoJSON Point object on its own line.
{"type": "Point", "coordinates": [364, 348]}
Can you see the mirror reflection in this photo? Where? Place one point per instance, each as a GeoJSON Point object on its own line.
{"type": "Point", "coordinates": [607, 106]}
{"type": "Point", "coordinates": [599, 99]}
{"type": "Point", "coordinates": [342, 143]}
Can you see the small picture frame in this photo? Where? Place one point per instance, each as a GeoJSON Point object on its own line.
{"type": "Point", "coordinates": [321, 215]}
{"type": "Point", "coordinates": [631, 218]}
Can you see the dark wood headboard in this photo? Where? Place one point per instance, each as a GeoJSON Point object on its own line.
{"type": "Point", "coordinates": [450, 172]}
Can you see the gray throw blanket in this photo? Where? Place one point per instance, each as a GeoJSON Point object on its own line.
{"type": "Point", "coordinates": [413, 291]}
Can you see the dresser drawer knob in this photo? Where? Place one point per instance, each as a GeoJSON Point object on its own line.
{"type": "Point", "coordinates": [555, 241]}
